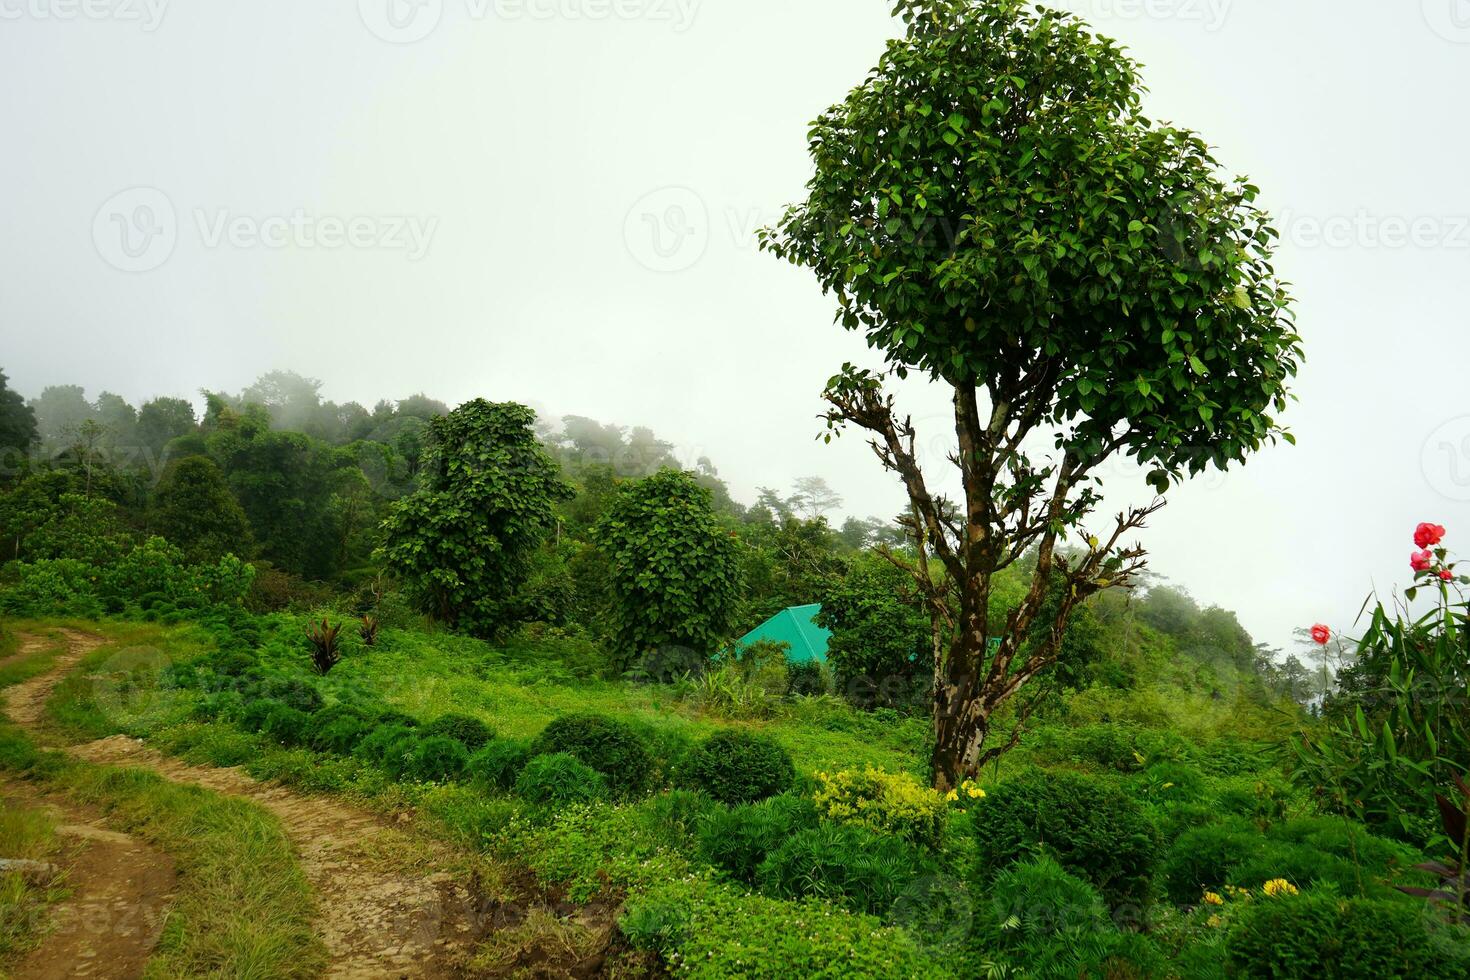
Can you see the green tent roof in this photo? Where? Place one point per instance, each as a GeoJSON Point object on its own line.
{"type": "Point", "coordinates": [796, 627]}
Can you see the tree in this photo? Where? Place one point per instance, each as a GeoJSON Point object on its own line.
{"type": "Point", "coordinates": [880, 649]}
{"type": "Point", "coordinates": [17, 430]}
{"type": "Point", "coordinates": [991, 208]}
{"type": "Point", "coordinates": [464, 540]}
{"type": "Point", "coordinates": [194, 509]}
{"type": "Point", "coordinates": [673, 576]}
{"type": "Point", "coordinates": [814, 498]}
{"type": "Point", "coordinates": [61, 410]}
{"type": "Point", "coordinates": [162, 420]}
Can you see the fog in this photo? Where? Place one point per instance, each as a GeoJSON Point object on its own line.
{"type": "Point", "coordinates": [554, 202]}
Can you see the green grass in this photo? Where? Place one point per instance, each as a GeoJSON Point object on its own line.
{"type": "Point", "coordinates": [29, 835]}
{"type": "Point", "coordinates": [243, 907]}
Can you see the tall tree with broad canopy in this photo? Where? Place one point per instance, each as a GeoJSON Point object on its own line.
{"type": "Point", "coordinates": [463, 542]}
{"type": "Point", "coordinates": [992, 209]}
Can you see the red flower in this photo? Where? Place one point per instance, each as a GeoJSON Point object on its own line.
{"type": "Point", "coordinates": [1428, 535]}
{"type": "Point", "coordinates": [1321, 634]}
{"type": "Point", "coordinates": [1447, 575]}
{"type": "Point", "coordinates": [1420, 561]}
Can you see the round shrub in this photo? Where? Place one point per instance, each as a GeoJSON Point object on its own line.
{"type": "Point", "coordinates": [340, 735]}
{"type": "Point", "coordinates": [222, 706]}
{"type": "Point", "coordinates": [284, 725]}
{"type": "Point", "coordinates": [472, 733]}
{"type": "Point", "coordinates": [393, 716]}
{"type": "Point", "coordinates": [253, 715]}
{"type": "Point", "coordinates": [1205, 857]}
{"type": "Point", "coordinates": [294, 692]}
{"type": "Point", "coordinates": [498, 764]}
{"type": "Point", "coordinates": [376, 744]}
{"type": "Point", "coordinates": [806, 679]}
{"type": "Point", "coordinates": [611, 747]}
{"type": "Point", "coordinates": [399, 754]}
{"type": "Point", "coordinates": [738, 767]}
{"type": "Point", "coordinates": [842, 863]}
{"type": "Point", "coordinates": [737, 839]}
{"type": "Point", "coordinates": [885, 803]}
{"type": "Point", "coordinates": [436, 759]}
{"type": "Point", "coordinates": [232, 664]}
{"type": "Point", "coordinates": [1323, 937]}
{"type": "Point", "coordinates": [326, 717]}
{"type": "Point", "coordinates": [559, 778]}
{"type": "Point", "coordinates": [1090, 826]}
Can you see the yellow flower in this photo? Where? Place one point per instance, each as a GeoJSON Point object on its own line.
{"type": "Point", "coordinates": [1213, 922]}
{"type": "Point", "coordinates": [976, 793]}
{"type": "Point", "coordinates": [1277, 887]}
{"type": "Point", "coordinates": [1212, 899]}
{"type": "Point", "coordinates": [952, 796]}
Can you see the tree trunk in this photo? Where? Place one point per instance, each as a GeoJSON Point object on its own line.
{"type": "Point", "coordinates": [959, 737]}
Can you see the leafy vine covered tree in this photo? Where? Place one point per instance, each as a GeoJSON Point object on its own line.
{"type": "Point", "coordinates": [464, 541]}
{"type": "Point", "coordinates": [674, 575]}
{"type": "Point", "coordinates": [991, 208]}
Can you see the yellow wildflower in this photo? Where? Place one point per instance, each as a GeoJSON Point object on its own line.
{"type": "Point", "coordinates": [1212, 899]}
{"type": "Point", "coordinates": [952, 796]}
{"type": "Point", "coordinates": [1277, 887]}
{"type": "Point", "coordinates": [1213, 922]}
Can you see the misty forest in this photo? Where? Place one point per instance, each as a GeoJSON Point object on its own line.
{"type": "Point", "coordinates": [444, 688]}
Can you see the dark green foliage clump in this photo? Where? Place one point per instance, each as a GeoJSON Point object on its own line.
{"type": "Point", "coordinates": [609, 746]}
{"type": "Point", "coordinates": [499, 764]}
{"type": "Point", "coordinates": [738, 767]}
{"type": "Point", "coordinates": [559, 779]}
{"type": "Point", "coordinates": [436, 759]}
{"type": "Point", "coordinates": [284, 725]}
{"type": "Point", "coordinates": [842, 863]}
{"type": "Point", "coordinates": [737, 839]}
{"type": "Point", "coordinates": [1090, 826]}
{"type": "Point", "coordinates": [253, 716]}
{"type": "Point", "coordinates": [340, 736]}
{"type": "Point", "coordinates": [1324, 937]}
{"type": "Point", "coordinates": [1203, 857]}
{"type": "Point", "coordinates": [377, 745]}
{"type": "Point", "coordinates": [471, 732]}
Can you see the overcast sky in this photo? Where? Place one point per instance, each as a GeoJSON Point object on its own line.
{"type": "Point", "coordinates": [554, 201]}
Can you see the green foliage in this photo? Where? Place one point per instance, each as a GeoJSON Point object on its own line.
{"type": "Point", "coordinates": [464, 540]}
{"type": "Point", "coordinates": [843, 863]}
{"type": "Point", "coordinates": [609, 746]}
{"type": "Point", "coordinates": [738, 766]}
{"type": "Point", "coordinates": [472, 733]}
{"type": "Point", "coordinates": [1203, 858]}
{"type": "Point", "coordinates": [379, 746]}
{"type": "Point", "coordinates": [881, 649]}
{"type": "Point", "coordinates": [883, 802]}
{"type": "Point", "coordinates": [194, 509]}
{"type": "Point", "coordinates": [498, 764]}
{"type": "Point", "coordinates": [673, 575]}
{"type": "Point", "coordinates": [437, 759]}
{"type": "Point", "coordinates": [1323, 937]}
{"type": "Point", "coordinates": [339, 735]}
{"type": "Point", "coordinates": [737, 840]}
{"type": "Point", "coordinates": [559, 779]}
{"type": "Point", "coordinates": [17, 426]}
{"type": "Point", "coordinates": [285, 725]}
{"type": "Point", "coordinates": [1089, 825]}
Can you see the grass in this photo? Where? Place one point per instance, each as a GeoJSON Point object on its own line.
{"type": "Point", "coordinates": [28, 835]}
{"type": "Point", "coordinates": [243, 907]}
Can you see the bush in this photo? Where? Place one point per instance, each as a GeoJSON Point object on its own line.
{"type": "Point", "coordinates": [1323, 937]}
{"type": "Point", "coordinates": [738, 767]}
{"type": "Point", "coordinates": [253, 715]}
{"type": "Point", "coordinates": [1204, 857]}
{"type": "Point", "coordinates": [340, 736]}
{"type": "Point", "coordinates": [842, 863]}
{"type": "Point", "coordinates": [292, 692]}
{"type": "Point", "coordinates": [609, 746]}
{"type": "Point", "coordinates": [1092, 828]}
{"type": "Point", "coordinates": [392, 716]}
{"type": "Point", "coordinates": [284, 725]}
{"type": "Point", "coordinates": [437, 759]}
{"type": "Point", "coordinates": [498, 764]}
{"type": "Point", "coordinates": [886, 803]}
{"type": "Point", "coordinates": [472, 733]}
{"type": "Point", "coordinates": [808, 679]}
{"type": "Point", "coordinates": [559, 779]}
{"type": "Point", "coordinates": [387, 747]}
{"type": "Point", "coordinates": [324, 718]}
{"type": "Point", "coordinates": [736, 840]}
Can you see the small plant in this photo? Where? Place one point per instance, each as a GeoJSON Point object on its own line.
{"type": "Point", "coordinates": [473, 732]}
{"type": "Point", "coordinates": [326, 641]}
{"type": "Point", "coordinates": [499, 764]}
{"type": "Point", "coordinates": [851, 865]}
{"type": "Point", "coordinates": [738, 767]}
{"type": "Point", "coordinates": [368, 630]}
{"type": "Point", "coordinates": [1453, 892]}
{"type": "Point", "coordinates": [559, 779]}
{"type": "Point", "coordinates": [437, 760]}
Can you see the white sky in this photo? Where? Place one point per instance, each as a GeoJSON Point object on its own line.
{"type": "Point", "coordinates": [534, 146]}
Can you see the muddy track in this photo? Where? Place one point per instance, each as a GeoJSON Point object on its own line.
{"type": "Point", "coordinates": [377, 917]}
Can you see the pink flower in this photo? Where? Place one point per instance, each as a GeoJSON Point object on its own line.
{"type": "Point", "coordinates": [1321, 634]}
{"type": "Point", "coordinates": [1428, 535]}
{"type": "Point", "coordinates": [1421, 560]}
{"type": "Point", "coordinates": [1447, 575]}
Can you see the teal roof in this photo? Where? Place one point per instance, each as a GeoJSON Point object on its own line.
{"type": "Point", "coordinates": [796, 627]}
